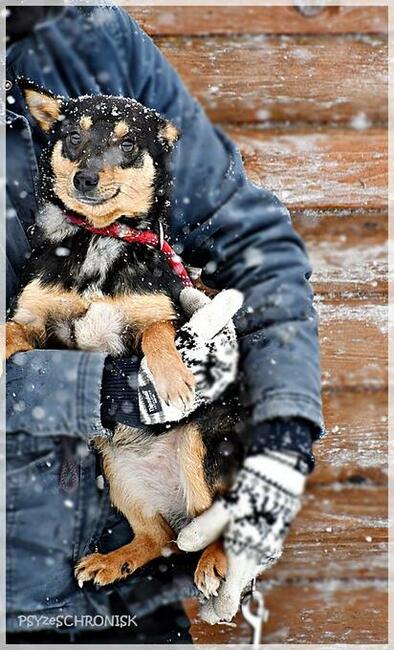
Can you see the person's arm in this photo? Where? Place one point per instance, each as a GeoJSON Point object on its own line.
{"type": "Point", "coordinates": [242, 236]}
{"type": "Point", "coordinates": [55, 392]}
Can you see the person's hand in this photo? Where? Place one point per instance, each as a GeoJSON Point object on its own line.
{"type": "Point", "coordinates": [253, 518]}
{"type": "Point", "coordinates": [208, 346]}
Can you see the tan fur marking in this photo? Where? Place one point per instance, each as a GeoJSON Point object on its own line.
{"type": "Point", "coordinates": [36, 305]}
{"type": "Point", "coordinates": [121, 129]}
{"type": "Point", "coordinates": [64, 170]}
{"type": "Point", "coordinates": [133, 184]}
{"type": "Point", "coordinates": [135, 196]}
{"type": "Point", "coordinates": [211, 568]}
{"type": "Point", "coordinates": [173, 380]}
{"type": "Point", "coordinates": [18, 339]}
{"type": "Point", "coordinates": [44, 108]}
{"type": "Point", "coordinates": [191, 455]}
{"type": "Point", "coordinates": [152, 534]}
{"type": "Point", "coordinates": [169, 133]}
{"type": "Point", "coordinates": [85, 122]}
{"type": "Point", "coordinates": [38, 302]}
{"type": "Point", "coordinates": [141, 310]}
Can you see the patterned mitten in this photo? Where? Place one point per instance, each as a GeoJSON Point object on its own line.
{"type": "Point", "coordinates": [208, 347]}
{"type": "Point", "coordinates": [254, 519]}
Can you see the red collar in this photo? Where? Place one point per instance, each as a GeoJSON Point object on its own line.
{"type": "Point", "coordinates": [134, 236]}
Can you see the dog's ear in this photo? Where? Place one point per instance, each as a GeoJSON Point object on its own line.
{"type": "Point", "coordinates": [44, 106]}
{"type": "Point", "coordinates": [168, 134]}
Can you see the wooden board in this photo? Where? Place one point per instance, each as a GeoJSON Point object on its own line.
{"type": "Point", "coordinates": [354, 344]}
{"type": "Point", "coordinates": [338, 516]}
{"type": "Point", "coordinates": [312, 79]}
{"type": "Point", "coordinates": [348, 252]}
{"type": "Point", "coordinates": [334, 566]}
{"type": "Point", "coordinates": [358, 272]}
{"type": "Point", "coordinates": [356, 444]}
{"type": "Point", "coordinates": [340, 533]}
{"type": "Point", "coordinates": [202, 20]}
{"type": "Point", "coordinates": [306, 101]}
{"type": "Point", "coordinates": [342, 227]}
{"type": "Point", "coordinates": [337, 551]}
{"type": "Point", "coordinates": [324, 612]}
{"type": "Point", "coordinates": [318, 169]}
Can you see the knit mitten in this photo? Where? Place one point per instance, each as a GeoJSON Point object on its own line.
{"type": "Point", "coordinates": [254, 519]}
{"type": "Point", "coordinates": [208, 346]}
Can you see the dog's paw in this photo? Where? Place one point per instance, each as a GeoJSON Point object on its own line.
{"type": "Point", "coordinates": [210, 571]}
{"type": "Point", "coordinates": [175, 384]}
{"type": "Point", "coordinates": [102, 569]}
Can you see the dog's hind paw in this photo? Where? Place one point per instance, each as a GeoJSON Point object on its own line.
{"type": "Point", "coordinates": [102, 569]}
{"type": "Point", "coordinates": [208, 582]}
{"type": "Point", "coordinates": [211, 570]}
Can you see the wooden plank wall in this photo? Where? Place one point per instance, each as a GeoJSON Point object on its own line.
{"type": "Point", "coordinates": [306, 100]}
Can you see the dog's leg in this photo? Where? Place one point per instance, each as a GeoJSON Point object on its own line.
{"type": "Point", "coordinates": [212, 566]}
{"type": "Point", "coordinates": [152, 536]}
{"type": "Point", "coordinates": [39, 305]}
{"type": "Point", "coordinates": [174, 382]}
{"type": "Point", "coordinates": [211, 569]}
{"type": "Point", "coordinates": [18, 338]}
{"type": "Point", "coordinates": [192, 453]}
{"type": "Point", "coordinates": [150, 318]}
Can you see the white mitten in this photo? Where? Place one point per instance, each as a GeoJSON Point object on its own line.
{"type": "Point", "coordinates": [208, 346]}
{"type": "Point", "coordinates": [254, 519]}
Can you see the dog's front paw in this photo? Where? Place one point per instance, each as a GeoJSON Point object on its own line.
{"type": "Point", "coordinates": [174, 382]}
{"type": "Point", "coordinates": [102, 569]}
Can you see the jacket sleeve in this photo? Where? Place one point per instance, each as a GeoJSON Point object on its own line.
{"type": "Point", "coordinates": [242, 236]}
{"type": "Point", "coordinates": [55, 392]}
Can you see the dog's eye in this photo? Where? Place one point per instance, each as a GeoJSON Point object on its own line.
{"type": "Point", "coordinates": [74, 138]}
{"type": "Point", "coordinates": [128, 146]}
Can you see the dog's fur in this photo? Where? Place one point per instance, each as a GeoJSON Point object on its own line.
{"type": "Point", "coordinates": [97, 293]}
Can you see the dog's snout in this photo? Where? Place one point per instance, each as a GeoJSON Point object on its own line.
{"type": "Point", "coordinates": [86, 180]}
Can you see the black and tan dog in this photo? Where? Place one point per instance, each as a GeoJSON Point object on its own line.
{"type": "Point", "coordinates": [106, 162]}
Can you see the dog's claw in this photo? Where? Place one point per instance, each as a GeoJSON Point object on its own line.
{"type": "Point", "coordinates": [178, 392]}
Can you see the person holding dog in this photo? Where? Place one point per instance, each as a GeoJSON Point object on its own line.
{"type": "Point", "coordinates": [241, 236]}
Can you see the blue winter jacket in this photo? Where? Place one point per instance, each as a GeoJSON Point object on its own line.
{"type": "Point", "coordinates": [240, 234]}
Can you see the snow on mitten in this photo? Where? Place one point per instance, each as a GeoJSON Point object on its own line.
{"type": "Point", "coordinates": [208, 346]}
{"type": "Point", "coordinates": [254, 519]}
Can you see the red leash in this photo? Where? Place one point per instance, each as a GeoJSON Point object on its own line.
{"type": "Point", "coordinates": [134, 236]}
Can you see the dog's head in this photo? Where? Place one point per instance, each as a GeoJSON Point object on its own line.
{"type": "Point", "coordinates": [106, 156]}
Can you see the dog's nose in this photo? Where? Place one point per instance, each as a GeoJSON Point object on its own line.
{"type": "Point", "coordinates": [86, 180]}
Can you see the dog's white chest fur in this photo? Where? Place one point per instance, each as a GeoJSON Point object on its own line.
{"type": "Point", "coordinates": [101, 254]}
{"type": "Point", "coordinates": [102, 251]}
{"type": "Point", "coordinates": [150, 470]}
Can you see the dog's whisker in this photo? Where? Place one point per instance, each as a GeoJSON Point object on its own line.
{"type": "Point", "coordinates": [130, 196]}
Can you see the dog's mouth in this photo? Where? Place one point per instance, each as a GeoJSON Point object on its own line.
{"type": "Point", "coordinates": [95, 200]}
